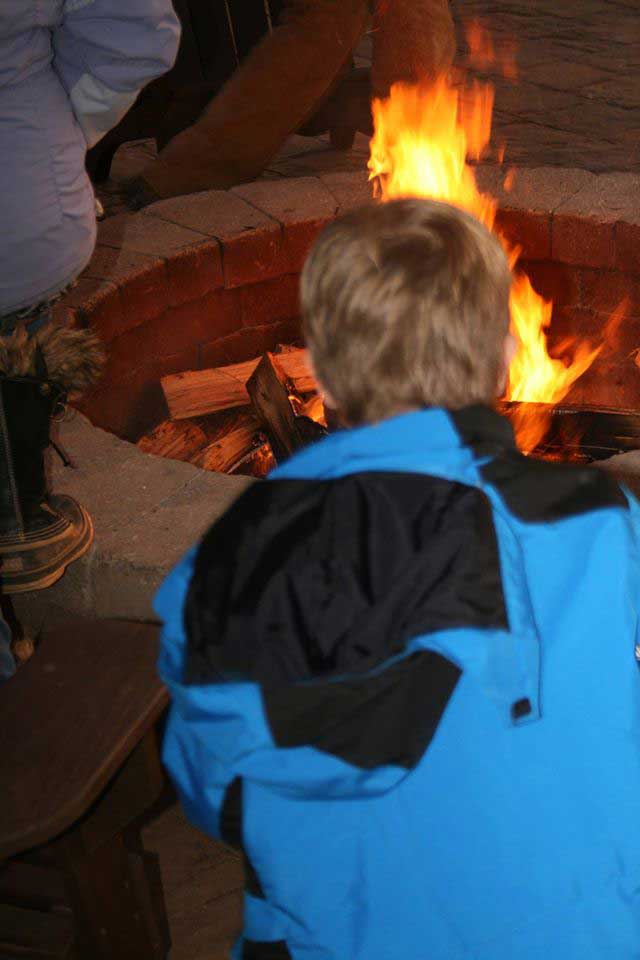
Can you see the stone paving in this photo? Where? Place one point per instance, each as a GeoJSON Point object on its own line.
{"type": "Point", "coordinates": [203, 885]}
{"type": "Point", "coordinates": [142, 529]}
{"type": "Point", "coordinates": [575, 102]}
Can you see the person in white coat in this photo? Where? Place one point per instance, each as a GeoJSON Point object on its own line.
{"type": "Point", "coordinates": [69, 70]}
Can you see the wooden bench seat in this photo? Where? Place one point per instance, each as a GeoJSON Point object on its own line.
{"type": "Point", "coordinates": [78, 767]}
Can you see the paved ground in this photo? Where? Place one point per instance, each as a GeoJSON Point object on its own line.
{"type": "Point", "coordinates": [575, 102]}
{"type": "Point", "coordinates": [202, 882]}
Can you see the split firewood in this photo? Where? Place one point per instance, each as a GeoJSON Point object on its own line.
{"type": "Point", "coordinates": [181, 440]}
{"type": "Point", "coordinates": [269, 389]}
{"type": "Point", "coordinates": [198, 392]}
{"type": "Point", "coordinates": [217, 442]}
{"type": "Point", "coordinates": [233, 445]}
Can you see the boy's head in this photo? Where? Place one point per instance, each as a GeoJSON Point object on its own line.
{"type": "Point", "coordinates": [406, 305]}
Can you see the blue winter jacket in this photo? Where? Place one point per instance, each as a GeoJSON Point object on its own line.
{"type": "Point", "coordinates": [404, 681]}
{"type": "Point", "coordinates": [69, 70]}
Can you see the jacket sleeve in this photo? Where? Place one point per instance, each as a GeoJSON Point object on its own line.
{"type": "Point", "coordinates": [106, 51]}
{"type": "Point", "coordinates": [192, 749]}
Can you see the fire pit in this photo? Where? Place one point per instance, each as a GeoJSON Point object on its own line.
{"type": "Point", "coordinates": [206, 282]}
{"type": "Point", "coordinates": [169, 298]}
{"type": "Point", "coordinates": [224, 289]}
{"type": "Point", "coordinates": [201, 285]}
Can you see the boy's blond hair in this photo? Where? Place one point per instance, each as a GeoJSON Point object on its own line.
{"type": "Point", "coordinates": [404, 305]}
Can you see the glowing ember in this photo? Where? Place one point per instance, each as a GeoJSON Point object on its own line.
{"type": "Point", "coordinates": [423, 137]}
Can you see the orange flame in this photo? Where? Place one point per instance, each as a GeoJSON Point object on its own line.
{"type": "Point", "coordinates": [423, 137]}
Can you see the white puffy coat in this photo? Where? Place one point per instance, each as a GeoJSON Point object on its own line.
{"type": "Point", "coordinates": [69, 70]}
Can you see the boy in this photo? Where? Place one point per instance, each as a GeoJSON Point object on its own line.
{"type": "Point", "coordinates": [403, 669]}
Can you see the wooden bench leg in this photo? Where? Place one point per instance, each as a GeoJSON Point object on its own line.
{"type": "Point", "coordinates": [113, 884]}
{"type": "Point", "coordinates": [112, 905]}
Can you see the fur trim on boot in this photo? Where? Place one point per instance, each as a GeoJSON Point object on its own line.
{"type": "Point", "coordinates": [73, 358]}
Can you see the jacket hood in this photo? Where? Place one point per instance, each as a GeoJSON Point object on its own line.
{"type": "Point", "coordinates": [326, 620]}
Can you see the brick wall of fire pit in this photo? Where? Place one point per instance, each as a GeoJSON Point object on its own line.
{"type": "Point", "coordinates": [212, 278]}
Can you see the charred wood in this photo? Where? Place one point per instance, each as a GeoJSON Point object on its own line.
{"type": "Point", "coordinates": [270, 390]}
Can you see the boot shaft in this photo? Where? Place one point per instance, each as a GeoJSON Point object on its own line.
{"type": "Point", "coordinates": [26, 406]}
{"type": "Point", "coordinates": [40, 533]}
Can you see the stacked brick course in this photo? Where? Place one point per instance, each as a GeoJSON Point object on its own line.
{"type": "Point", "coordinates": [212, 278]}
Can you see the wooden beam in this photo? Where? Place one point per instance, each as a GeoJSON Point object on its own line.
{"type": "Point", "coordinates": [198, 392]}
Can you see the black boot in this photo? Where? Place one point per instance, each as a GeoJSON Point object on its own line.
{"type": "Point", "coordinates": [40, 534]}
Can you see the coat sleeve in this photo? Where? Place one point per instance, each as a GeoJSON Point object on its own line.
{"type": "Point", "coordinates": [192, 742]}
{"type": "Point", "coordinates": [106, 51]}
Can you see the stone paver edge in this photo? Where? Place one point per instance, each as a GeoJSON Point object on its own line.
{"type": "Point", "coordinates": [585, 228]}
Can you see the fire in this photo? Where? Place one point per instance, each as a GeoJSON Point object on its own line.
{"type": "Point", "coordinates": [534, 376]}
{"type": "Point", "coordinates": [423, 138]}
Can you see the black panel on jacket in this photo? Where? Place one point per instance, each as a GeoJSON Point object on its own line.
{"type": "Point", "coordinates": [252, 950]}
{"type": "Point", "coordinates": [537, 491]}
{"type": "Point", "coordinates": [231, 815]}
{"type": "Point", "coordinates": [310, 579]}
{"type": "Point", "coordinates": [388, 718]}
{"type": "Point", "coordinates": [483, 429]}
{"type": "Point", "coordinates": [231, 833]}
{"type": "Point", "coordinates": [251, 880]}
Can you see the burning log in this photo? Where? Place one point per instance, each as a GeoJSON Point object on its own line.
{"type": "Point", "coordinates": [269, 390]}
{"type": "Point", "coordinates": [198, 392]}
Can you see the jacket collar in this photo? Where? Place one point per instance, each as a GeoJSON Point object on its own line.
{"type": "Point", "coordinates": [432, 438]}
{"type": "Point", "coordinates": [483, 429]}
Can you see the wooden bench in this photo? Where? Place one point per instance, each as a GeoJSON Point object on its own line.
{"type": "Point", "coordinates": [79, 766]}
{"type": "Point", "coordinates": [216, 36]}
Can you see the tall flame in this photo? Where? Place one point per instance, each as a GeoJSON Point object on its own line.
{"type": "Point", "coordinates": [422, 140]}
